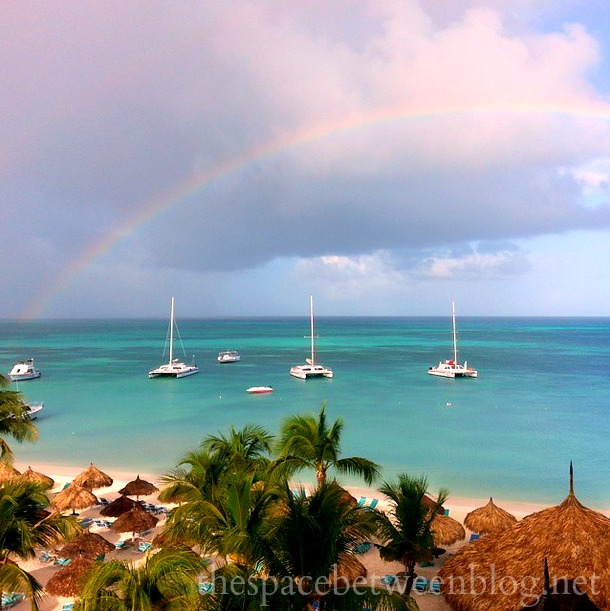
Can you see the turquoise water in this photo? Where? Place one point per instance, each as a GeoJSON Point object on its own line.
{"type": "Point", "coordinates": [542, 398]}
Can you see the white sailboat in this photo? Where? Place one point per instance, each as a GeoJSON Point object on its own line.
{"type": "Point", "coordinates": [312, 368]}
{"type": "Point", "coordinates": [451, 368]}
{"type": "Point", "coordinates": [174, 368]}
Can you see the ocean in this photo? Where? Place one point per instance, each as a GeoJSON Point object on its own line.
{"type": "Point", "coordinates": [542, 398]}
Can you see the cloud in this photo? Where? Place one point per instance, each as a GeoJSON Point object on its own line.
{"type": "Point", "coordinates": [344, 135]}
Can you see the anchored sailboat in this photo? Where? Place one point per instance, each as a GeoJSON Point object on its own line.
{"type": "Point", "coordinates": [312, 368]}
{"type": "Point", "coordinates": [174, 368]}
{"type": "Point", "coordinates": [451, 368]}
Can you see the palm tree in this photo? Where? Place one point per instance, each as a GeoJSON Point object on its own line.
{"type": "Point", "coordinates": [405, 531]}
{"type": "Point", "coordinates": [14, 420]}
{"type": "Point", "coordinates": [165, 581]}
{"type": "Point", "coordinates": [312, 539]}
{"type": "Point", "coordinates": [243, 449]}
{"type": "Point", "coordinates": [307, 441]}
{"type": "Point", "coordinates": [24, 525]}
{"type": "Point", "coordinates": [228, 524]}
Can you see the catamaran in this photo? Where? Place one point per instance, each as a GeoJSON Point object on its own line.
{"type": "Point", "coordinates": [174, 368]}
{"type": "Point", "coordinates": [451, 368]}
{"type": "Point", "coordinates": [312, 368]}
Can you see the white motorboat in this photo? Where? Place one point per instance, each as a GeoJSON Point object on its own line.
{"type": "Point", "coordinates": [259, 390]}
{"type": "Point", "coordinates": [311, 368]}
{"type": "Point", "coordinates": [24, 370]}
{"type": "Point", "coordinates": [229, 356]}
{"type": "Point", "coordinates": [34, 408]}
{"type": "Point", "coordinates": [174, 368]}
{"type": "Point", "coordinates": [451, 368]}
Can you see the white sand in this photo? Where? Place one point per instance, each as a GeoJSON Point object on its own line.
{"type": "Point", "coordinates": [376, 568]}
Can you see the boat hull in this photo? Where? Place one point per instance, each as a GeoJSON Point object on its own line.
{"type": "Point", "coordinates": [21, 377]}
{"type": "Point", "coordinates": [173, 370]}
{"type": "Point", "coordinates": [449, 370]}
{"type": "Point", "coordinates": [259, 390]}
{"type": "Point", "coordinates": [303, 372]}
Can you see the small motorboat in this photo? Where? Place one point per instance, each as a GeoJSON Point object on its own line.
{"type": "Point", "coordinates": [33, 409]}
{"type": "Point", "coordinates": [24, 370]}
{"type": "Point", "coordinates": [229, 356]}
{"type": "Point", "coordinates": [259, 390]}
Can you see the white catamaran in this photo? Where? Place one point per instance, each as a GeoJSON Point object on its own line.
{"type": "Point", "coordinates": [451, 368]}
{"type": "Point", "coordinates": [311, 369]}
{"type": "Point", "coordinates": [174, 368]}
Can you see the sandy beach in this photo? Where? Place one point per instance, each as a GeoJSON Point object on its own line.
{"type": "Point", "coordinates": [376, 568]}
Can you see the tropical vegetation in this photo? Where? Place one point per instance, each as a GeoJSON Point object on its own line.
{"type": "Point", "coordinates": [240, 536]}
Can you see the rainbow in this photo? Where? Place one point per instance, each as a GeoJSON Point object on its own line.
{"type": "Point", "coordinates": [196, 184]}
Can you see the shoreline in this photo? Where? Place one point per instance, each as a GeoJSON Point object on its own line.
{"type": "Point", "coordinates": [458, 506]}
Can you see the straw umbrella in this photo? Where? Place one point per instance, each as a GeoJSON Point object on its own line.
{"type": "Point", "coordinates": [38, 478]}
{"type": "Point", "coordinates": [138, 487]}
{"type": "Point", "coordinates": [348, 569]}
{"type": "Point", "coordinates": [74, 497]}
{"type": "Point", "coordinates": [429, 503]}
{"type": "Point", "coordinates": [565, 595]}
{"type": "Point", "coordinates": [92, 478]}
{"type": "Point", "coordinates": [575, 539]}
{"type": "Point", "coordinates": [118, 507]}
{"type": "Point", "coordinates": [69, 580]}
{"type": "Point", "coordinates": [89, 545]}
{"type": "Point", "coordinates": [7, 471]}
{"type": "Point", "coordinates": [489, 519]}
{"type": "Point", "coordinates": [446, 530]}
{"type": "Point", "coordinates": [136, 520]}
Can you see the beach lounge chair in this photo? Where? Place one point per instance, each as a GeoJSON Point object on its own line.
{"type": "Point", "coordinates": [86, 522]}
{"type": "Point", "coordinates": [205, 587]}
{"type": "Point", "coordinates": [435, 586]}
{"type": "Point", "coordinates": [121, 544]}
{"type": "Point", "coordinates": [68, 607]}
{"type": "Point", "coordinates": [362, 548]}
{"type": "Point", "coordinates": [421, 584]}
{"type": "Point", "coordinates": [104, 501]}
{"type": "Point", "coordinates": [426, 563]}
{"type": "Point", "coordinates": [361, 501]}
{"type": "Point", "coordinates": [46, 557]}
{"type": "Point", "coordinates": [144, 546]}
{"type": "Point", "coordinates": [63, 561]}
{"type": "Point", "coordinates": [388, 580]}
{"type": "Point", "coordinates": [372, 504]}
{"type": "Point", "coordinates": [10, 599]}
{"type": "Point", "coordinates": [474, 537]}
{"type": "Point", "coordinates": [100, 558]}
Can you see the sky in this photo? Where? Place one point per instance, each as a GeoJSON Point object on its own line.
{"type": "Point", "coordinates": [385, 156]}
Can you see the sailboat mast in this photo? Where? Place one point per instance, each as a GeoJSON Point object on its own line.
{"type": "Point", "coordinates": [171, 332]}
{"type": "Point", "coordinates": [313, 349]}
{"type": "Point", "coordinates": [455, 359]}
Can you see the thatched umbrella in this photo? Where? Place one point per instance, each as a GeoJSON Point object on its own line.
{"type": "Point", "coordinates": [118, 507]}
{"type": "Point", "coordinates": [74, 497]}
{"type": "Point", "coordinates": [138, 487]}
{"type": "Point", "coordinates": [575, 539]}
{"type": "Point", "coordinates": [89, 545]}
{"type": "Point", "coordinates": [446, 530]}
{"type": "Point", "coordinates": [429, 503]}
{"type": "Point", "coordinates": [38, 478]}
{"type": "Point", "coordinates": [489, 519]}
{"type": "Point", "coordinates": [7, 471]}
{"type": "Point", "coordinates": [136, 520]}
{"type": "Point", "coordinates": [92, 478]}
{"type": "Point", "coordinates": [564, 595]}
{"type": "Point", "coordinates": [69, 580]}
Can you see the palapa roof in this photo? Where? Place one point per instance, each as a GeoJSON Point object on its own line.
{"type": "Point", "coordinates": [429, 503]}
{"type": "Point", "coordinates": [88, 545]}
{"type": "Point", "coordinates": [446, 530]}
{"type": "Point", "coordinates": [564, 595]}
{"type": "Point", "coordinates": [118, 507]}
{"type": "Point", "coordinates": [7, 471]}
{"type": "Point", "coordinates": [138, 487]}
{"type": "Point", "coordinates": [92, 478]}
{"type": "Point", "coordinates": [38, 478]}
{"type": "Point", "coordinates": [134, 520]}
{"type": "Point", "coordinates": [489, 519]}
{"type": "Point", "coordinates": [74, 497]}
{"type": "Point", "coordinates": [70, 579]}
{"type": "Point", "coordinates": [574, 539]}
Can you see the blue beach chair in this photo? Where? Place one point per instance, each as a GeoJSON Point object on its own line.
{"type": "Point", "coordinates": [421, 584]}
{"type": "Point", "coordinates": [361, 501]}
{"type": "Point", "coordinates": [10, 599]}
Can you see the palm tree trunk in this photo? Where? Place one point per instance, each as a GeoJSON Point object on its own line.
{"type": "Point", "coordinates": [410, 571]}
{"type": "Point", "coordinates": [321, 475]}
